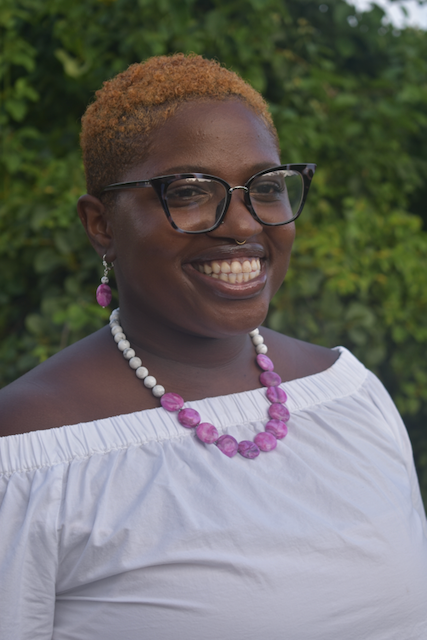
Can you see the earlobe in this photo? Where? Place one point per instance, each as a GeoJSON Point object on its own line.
{"type": "Point", "coordinates": [93, 216]}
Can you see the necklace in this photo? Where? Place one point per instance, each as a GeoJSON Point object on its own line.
{"type": "Point", "coordinates": [266, 440]}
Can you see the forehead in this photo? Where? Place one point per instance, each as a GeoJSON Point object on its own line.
{"type": "Point", "coordinates": [223, 138]}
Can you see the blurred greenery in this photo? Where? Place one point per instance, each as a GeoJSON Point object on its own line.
{"type": "Point", "coordinates": [346, 91]}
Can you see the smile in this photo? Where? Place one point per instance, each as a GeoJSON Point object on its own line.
{"type": "Point", "coordinates": [236, 271]}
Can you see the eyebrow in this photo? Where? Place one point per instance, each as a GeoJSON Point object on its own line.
{"type": "Point", "coordinates": [202, 169]}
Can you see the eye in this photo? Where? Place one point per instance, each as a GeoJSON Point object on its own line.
{"type": "Point", "coordinates": [268, 187]}
{"type": "Point", "coordinates": [185, 194]}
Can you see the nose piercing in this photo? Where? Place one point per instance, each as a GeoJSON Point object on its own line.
{"type": "Point", "coordinates": [237, 242]}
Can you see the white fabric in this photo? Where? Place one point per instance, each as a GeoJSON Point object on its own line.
{"type": "Point", "coordinates": [128, 528]}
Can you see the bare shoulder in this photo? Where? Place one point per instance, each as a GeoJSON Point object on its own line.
{"type": "Point", "coordinates": [68, 388]}
{"type": "Point", "coordinates": [297, 359]}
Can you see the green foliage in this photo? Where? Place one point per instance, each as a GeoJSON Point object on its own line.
{"type": "Point", "coordinates": [345, 92]}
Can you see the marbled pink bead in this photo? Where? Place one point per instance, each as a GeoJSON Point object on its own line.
{"type": "Point", "coordinates": [207, 433]}
{"type": "Point", "coordinates": [228, 445]}
{"type": "Point", "coordinates": [278, 412]}
{"type": "Point", "coordinates": [277, 428]}
{"type": "Point", "coordinates": [248, 449]}
{"type": "Point", "coordinates": [189, 418]}
{"type": "Point", "coordinates": [264, 362]}
{"type": "Point", "coordinates": [265, 441]}
{"type": "Point", "coordinates": [171, 402]}
{"type": "Point", "coordinates": [270, 379]}
{"type": "Point", "coordinates": [103, 295]}
{"type": "Point", "coordinates": [276, 394]}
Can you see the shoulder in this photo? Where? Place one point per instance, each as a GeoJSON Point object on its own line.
{"type": "Point", "coordinates": [66, 389]}
{"type": "Point", "coordinates": [297, 359]}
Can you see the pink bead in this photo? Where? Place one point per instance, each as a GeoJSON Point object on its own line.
{"type": "Point", "coordinates": [207, 433]}
{"type": "Point", "coordinates": [264, 362]}
{"type": "Point", "coordinates": [228, 445]}
{"type": "Point", "coordinates": [103, 295]}
{"type": "Point", "coordinates": [276, 394]}
{"type": "Point", "coordinates": [278, 412]}
{"type": "Point", "coordinates": [189, 418]}
{"type": "Point", "coordinates": [265, 441]}
{"type": "Point", "coordinates": [248, 449]}
{"type": "Point", "coordinates": [277, 428]}
{"type": "Point", "coordinates": [270, 379]}
{"type": "Point", "coordinates": [171, 402]}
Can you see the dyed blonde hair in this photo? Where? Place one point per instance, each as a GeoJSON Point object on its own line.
{"type": "Point", "coordinates": [117, 125]}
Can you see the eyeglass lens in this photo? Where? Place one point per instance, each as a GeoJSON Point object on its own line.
{"type": "Point", "coordinates": [196, 204]}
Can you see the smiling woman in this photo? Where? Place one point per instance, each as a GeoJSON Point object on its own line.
{"type": "Point", "coordinates": [138, 496]}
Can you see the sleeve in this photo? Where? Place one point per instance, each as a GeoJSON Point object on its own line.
{"type": "Point", "coordinates": [29, 506]}
{"type": "Point", "coordinates": [386, 406]}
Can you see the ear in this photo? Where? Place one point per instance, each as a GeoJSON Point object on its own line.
{"type": "Point", "coordinates": [94, 218]}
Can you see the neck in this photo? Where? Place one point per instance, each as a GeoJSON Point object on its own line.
{"type": "Point", "coordinates": [166, 342]}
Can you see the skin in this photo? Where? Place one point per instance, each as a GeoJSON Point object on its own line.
{"type": "Point", "coordinates": [189, 330]}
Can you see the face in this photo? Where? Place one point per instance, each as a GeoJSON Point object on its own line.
{"type": "Point", "coordinates": [167, 278]}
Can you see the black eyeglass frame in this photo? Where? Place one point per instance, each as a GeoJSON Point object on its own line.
{"type": "Point", "coordinates": [161, 183]}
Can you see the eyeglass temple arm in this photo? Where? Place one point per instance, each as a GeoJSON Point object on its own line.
{"type": "Point", "coordinates": [130, 185]}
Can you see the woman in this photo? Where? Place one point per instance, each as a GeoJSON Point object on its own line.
{"type": "Point", "coordinates": [122, 517]}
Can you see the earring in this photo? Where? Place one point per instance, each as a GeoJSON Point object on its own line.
{"type": "Point", "coordinates": [103, 292]}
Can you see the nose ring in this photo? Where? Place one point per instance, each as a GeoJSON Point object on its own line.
{"type": "Point", "coordinates": [237, 242]}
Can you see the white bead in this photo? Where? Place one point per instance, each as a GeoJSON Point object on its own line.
{"type": "Point", "coordinates": [128, 353]}
{"type": "Point", "coordinates": [261, 348]}
{"type": "Point", "coordinates": [158, 391]}
{"type": "Point", "coordinates": [116, 329]}
{"type": "Point", "coordinates": [119, 336]}
{"type": "Point", "coordinates": [141, 373]}
{"type": "Point", "coordinates": [150, 382]}
{"type": "Point", "coordinates": [135, 363]}
{"type": "Point", "coordinates": [257, 340]}
{"type": "Point", "coordinates": [114, 315]}
{"type": "Point", "coordinates": [253, 333]}
{"type": "Point", "coordinates": [104, 280]}
{"type": "Point", "coordinates": [123, 344]}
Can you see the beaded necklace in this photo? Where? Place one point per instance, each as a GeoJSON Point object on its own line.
{"type": "Point", "coordinates": [266, 440]}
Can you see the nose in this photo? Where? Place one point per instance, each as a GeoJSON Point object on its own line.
{"type": "Point", "coordinates": [238, 222]}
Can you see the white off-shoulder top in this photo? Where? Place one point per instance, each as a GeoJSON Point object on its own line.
{"type": "Point", "coordinates": [129, 528]}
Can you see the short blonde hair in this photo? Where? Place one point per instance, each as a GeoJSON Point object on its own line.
{"type": "Point", "coordinates": [116, 126]}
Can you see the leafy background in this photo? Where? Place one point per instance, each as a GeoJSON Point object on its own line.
{"type": "Point", "coordinates": [345, 91]}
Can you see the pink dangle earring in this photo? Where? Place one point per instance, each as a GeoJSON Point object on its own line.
{"type": "Point", "coordinates": [103, 292]}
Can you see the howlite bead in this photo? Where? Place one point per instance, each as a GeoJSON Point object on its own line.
{"type": "Point", "coordinates": [172, 402]}
{"type": "Point", "coordinates": [207, 433]}
{"type": "Point", "coordinates": [277, 428]}
{"type": "Point", "coordinates": [248, 449]}
{"type": "Point", "coordinates": [276, 394]}
{"type": "Point", "coordinates": [189, 418]}
{"type": "Point", "coordinates": [228, 445]}
{"type": "Point", "coordinates": [278, 412]}
{"type": "Point", "coordinates": [264, 362]}
{"type": "Point", "coordinates": [103, 295]}
{"type": "Point", "coordinates": [265, 441]}
{"type": "Point", "coordinates": [270, 379]}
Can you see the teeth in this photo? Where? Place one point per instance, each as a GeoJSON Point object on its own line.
{"type": "Point", "coordinates": [232, 272]}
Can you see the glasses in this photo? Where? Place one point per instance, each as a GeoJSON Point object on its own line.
{"type": "Point", "coordinates": [197, 203]}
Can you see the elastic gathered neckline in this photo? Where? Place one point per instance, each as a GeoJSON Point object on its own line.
{"type": "Point", "coordinates": [45, 448]}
